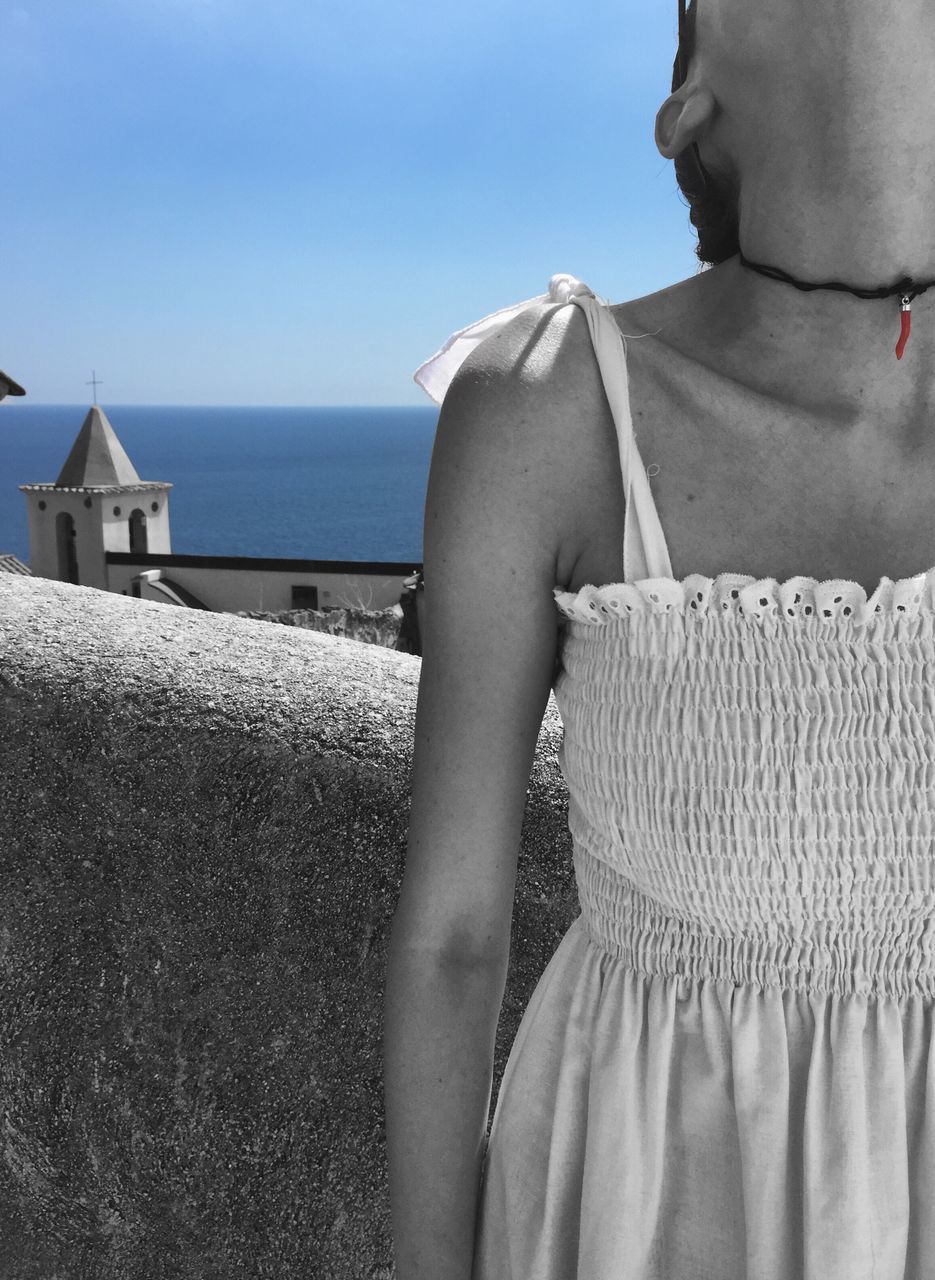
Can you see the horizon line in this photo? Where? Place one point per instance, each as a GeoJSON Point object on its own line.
{"type": "Point", "coordinates": [131, 404]}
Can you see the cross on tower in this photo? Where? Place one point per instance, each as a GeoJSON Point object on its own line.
{"type": "Point", "coordinates": [93, 382]}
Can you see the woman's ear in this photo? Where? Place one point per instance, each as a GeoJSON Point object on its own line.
{"type": "Point", "coordinates": [683, 118]}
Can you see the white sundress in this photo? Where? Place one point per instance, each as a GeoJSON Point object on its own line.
{"type": "Point", "coordinates": [724, 1072]}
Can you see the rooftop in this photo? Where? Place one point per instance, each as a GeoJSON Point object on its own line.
{"type": "Point", "coordinates": [97, 457]}
{"type": "Point", "coordinates": [144, 486]}
{"type": "Point", "coordinates": [10, 564]}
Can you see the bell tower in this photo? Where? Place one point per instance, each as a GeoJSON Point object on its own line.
{"type": "Point", "coordinates": [97, 504]}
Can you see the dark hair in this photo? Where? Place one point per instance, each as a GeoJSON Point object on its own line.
{"type": "Point", "coordinates": [712, 196]}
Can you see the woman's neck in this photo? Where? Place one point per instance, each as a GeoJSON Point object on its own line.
{"type": "Point", "coordinates": [829, 352]}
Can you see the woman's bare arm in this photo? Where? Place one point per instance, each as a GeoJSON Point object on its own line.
{"type": "Point", "coordinates": [489, 643]}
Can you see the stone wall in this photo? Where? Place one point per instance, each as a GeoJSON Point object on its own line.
{"type": "Point", "coordinates": [202, 832]}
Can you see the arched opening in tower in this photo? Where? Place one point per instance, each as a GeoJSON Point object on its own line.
{"type": "Point", "coordinates": [138, 531]}
{"type": "Point", "coordinates": [67, 547]}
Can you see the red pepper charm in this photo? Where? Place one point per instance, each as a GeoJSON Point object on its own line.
{"type": "Point", "coordinates": [905, 326]}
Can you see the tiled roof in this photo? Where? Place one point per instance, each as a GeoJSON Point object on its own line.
{"type": "Point", "coordinates": [10, 564]}
{"type": "Point", "coordinates": [144, 486]}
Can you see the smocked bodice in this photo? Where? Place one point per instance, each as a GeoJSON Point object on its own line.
{"type": "Point", "coordinates": [751, 772]}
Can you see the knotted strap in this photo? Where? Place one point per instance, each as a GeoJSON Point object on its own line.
{"type": "Point", "coordinates": [645, 554]}
{"type": "Point", "coordinates": [436, 374]}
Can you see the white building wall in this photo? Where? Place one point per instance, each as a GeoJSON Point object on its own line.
{"type": "Point", "coordinates": [43, 540]}
{"type": "Point", "coordinates": [116, 527]}
{"type": "Point", "coordinates": [268, 590]}
{"type": "Point", "coordinates": [97, 529]}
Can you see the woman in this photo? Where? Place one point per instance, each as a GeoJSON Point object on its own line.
{"type": "Point", "coordinates": [724, 1072]}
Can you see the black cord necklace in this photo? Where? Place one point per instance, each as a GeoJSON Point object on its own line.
{"type": "Point", "coordinates": [904, 288]}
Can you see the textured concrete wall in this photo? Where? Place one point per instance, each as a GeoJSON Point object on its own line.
{"type": "Point", "coordinates": [202, 831]}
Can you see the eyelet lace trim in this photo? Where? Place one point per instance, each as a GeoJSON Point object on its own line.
{"type": "Point", "coordinates": [758, 598]}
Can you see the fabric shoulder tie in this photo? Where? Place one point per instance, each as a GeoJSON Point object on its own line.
{"type": "Point", "coordinates": [436, 374]}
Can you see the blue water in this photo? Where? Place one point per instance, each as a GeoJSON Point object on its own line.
{"type": "Point", "coordinates": [317, 483]}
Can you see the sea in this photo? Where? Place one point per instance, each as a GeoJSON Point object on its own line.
{"type": "Point", "coordinates": [314, 483]}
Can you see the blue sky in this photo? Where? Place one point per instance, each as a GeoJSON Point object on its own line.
{"type": "Point", "coordinates": [296, 201]}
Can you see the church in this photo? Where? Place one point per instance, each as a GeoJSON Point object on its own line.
{"type": "Point", "coordinates": [99, 525]}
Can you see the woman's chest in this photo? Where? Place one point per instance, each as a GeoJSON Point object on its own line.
{"type": "Point", "coordinates": [743, 485]}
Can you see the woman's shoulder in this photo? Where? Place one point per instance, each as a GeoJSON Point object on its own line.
{"type": "Point", "coordinates": [540, 362]}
